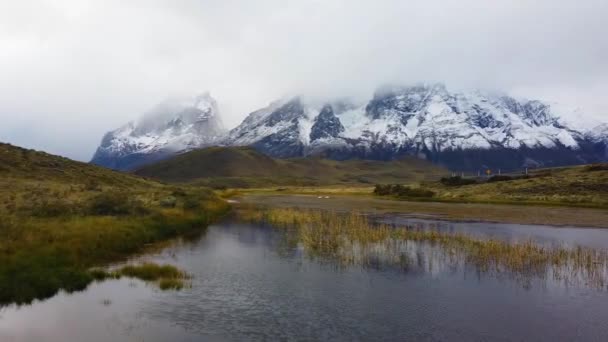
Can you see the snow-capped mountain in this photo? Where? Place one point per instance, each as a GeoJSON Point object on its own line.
{"type": "Point", "coordinates": [173, 126]}
{"type": "Point", "coordinates": [462, 130]}
{"type": "Point", "coordinates": [466, 130]}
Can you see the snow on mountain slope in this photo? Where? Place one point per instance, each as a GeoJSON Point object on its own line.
{"type": "Point", "coordinates": [461, 130]}
{"type": "Point", "coordinates": [425, 120]}
{"type": "Point", "coordinates": [172, 126]}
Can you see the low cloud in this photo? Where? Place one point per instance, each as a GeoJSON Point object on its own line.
{"type": "Point", "coordinates": [72, 70]}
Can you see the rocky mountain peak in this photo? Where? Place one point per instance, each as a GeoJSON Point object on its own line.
{"type": "Point", "coordinates": [326, 125]}
{"type": "Point", "coordinates": [459, 129]}
{"type": "Point", "coordinates": [172, 126]}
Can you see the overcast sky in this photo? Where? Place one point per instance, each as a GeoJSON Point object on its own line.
{"type": "Point", "coordinates": [71, 70]}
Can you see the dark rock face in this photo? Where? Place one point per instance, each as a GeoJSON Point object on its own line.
{"type": "Point", "coordinates": [280, 122]}
{"type": "Point", "coordinates": [291, 111]}
{"type": "Point", "coordinates": [326, 125]}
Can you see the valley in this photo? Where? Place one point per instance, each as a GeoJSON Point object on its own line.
{"type": "Point", "coordinates": [396, 170]}
{"type": "Point", "coordinates": [212, 228]}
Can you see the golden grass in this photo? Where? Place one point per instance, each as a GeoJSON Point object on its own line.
{"type": "Point", "coordinates": [354, 239]}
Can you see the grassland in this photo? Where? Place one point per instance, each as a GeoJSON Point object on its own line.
{"type": "Point", "coordinates": [578, 186]}
{"type": "Point", "coordinates": [60, 218]}
{"type": "Point", "coordinates": [583, 186]}
{"type": "Point", "coordinates": [243, 167]}
{"type": "Point", "coordinates": [413, 179]}
{"type": "Point", "coordinates": [352, 239]}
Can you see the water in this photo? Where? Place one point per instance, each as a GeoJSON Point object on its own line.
{"type": "Point", "coordinates": [545, 235]}
{"type": "Point", "coordinates": [250, 285]}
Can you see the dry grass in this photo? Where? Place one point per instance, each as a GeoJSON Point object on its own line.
{"type": "Point", "coordinates": [354, 239]}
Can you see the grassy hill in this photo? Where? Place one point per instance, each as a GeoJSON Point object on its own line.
{"type": "Point", "coordinates": [585, 185]}
{"type": "Point", "coordinates": [59, 218]}
{"type": "Point", "coordinates": [245, 167]}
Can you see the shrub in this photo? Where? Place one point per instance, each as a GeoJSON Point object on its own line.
{"type": "Point", "coordinates": [500, 178]}
{"type": "Point", "coordinates": [168, 202]}
{"type": "Point", "coordinates": [92, 185]}
{"type": "Point", "coordinates": [191, 203]}
{"type": "Point", "coordinates": [178, 192]}
{"type": "Point", "coordinates": [597, 167]}
{"type": "Point", "coordinates": [405, 191]}
{"type": "Point", "coordinates": [114, 203]}
{"type": "Point", "coordinates": [49, 209]}
{"type": "Point", "coordinates": [457, 181]}
{"type": "Point", "coordinates": [382, 190]}
{"type": "Point", "coordinates": [402, 191]}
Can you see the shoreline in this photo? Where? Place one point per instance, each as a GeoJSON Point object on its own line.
{"type": "Point", "coordinates": [557, 216]}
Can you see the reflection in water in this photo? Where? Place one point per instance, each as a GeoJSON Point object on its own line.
{"type": "Point", "coordinates": [353, 239]}
{"type": "Point", "coordinates": [256, 282]}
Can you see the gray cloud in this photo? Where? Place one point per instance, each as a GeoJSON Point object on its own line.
{"type": "Point", "coordinates": [72, 70]}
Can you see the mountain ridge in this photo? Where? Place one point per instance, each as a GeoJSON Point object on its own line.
{"type": "Point", "coordinates": [461, 130]}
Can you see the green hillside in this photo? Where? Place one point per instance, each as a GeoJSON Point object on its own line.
{"type": "Point", "coordinates": [59, 218]}
{"type": "Point", "coordinates": [245, 167]}
{"type": "Point", "coordinates": [585, 185]}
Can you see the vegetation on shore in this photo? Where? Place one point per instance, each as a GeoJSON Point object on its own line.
{"type": "Point", "coordinates": [400, 191]}
{"type": "Point", "coordinates": [60, 218]}
{"type": "Point", "coordinates": [166, 277]}
{"type": "Point", "coordinates": [584, 186]}
{"type": "Point", "coordinates": [354, 239]}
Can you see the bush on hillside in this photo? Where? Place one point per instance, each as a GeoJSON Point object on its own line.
{"type": "Point", "coordinates": [500, 178]}
{"type": "Point", "coordinates": [115, 203]}
{"type": "Point", "coordinates": [50, 208]}
{"type": "Point", "coordinates": [597, 167]}
{"type": "Point", "coordinates": [402, 191]}
{"type": "Point", "coordinates": [168, 202]}
{"type": "Point", "coordinates": [457, 181]}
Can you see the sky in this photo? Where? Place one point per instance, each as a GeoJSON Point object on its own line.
{"type": "Point", "coordinates": [71, 70]}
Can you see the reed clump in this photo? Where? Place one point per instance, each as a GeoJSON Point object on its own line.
{"type": "Point", "coordinates": [355, 239]}
{"type": "Point", "coordinates": [166, 277]}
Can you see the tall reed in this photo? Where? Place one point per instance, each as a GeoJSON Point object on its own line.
{"type": "Point", "coordinates": [355, 239]}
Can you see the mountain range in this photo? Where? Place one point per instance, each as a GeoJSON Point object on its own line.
{"type": "Point", "coordinates": [469, 130]}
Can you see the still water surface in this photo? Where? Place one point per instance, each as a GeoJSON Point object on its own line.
{"type": "Point", "coordinates": [250, 285]}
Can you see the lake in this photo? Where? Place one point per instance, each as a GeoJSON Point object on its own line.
{"type": "Point", "coordinates": [249, 284]}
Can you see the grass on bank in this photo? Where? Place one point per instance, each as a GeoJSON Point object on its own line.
{"type": "Point", "coordinates": [40, 255]}
{"type": "Point", "coordinates": [59, 218]}
{"type": "Point", "coordinates": [166, 277]}
{"type": "Point", "coordinates": [354, 239]}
